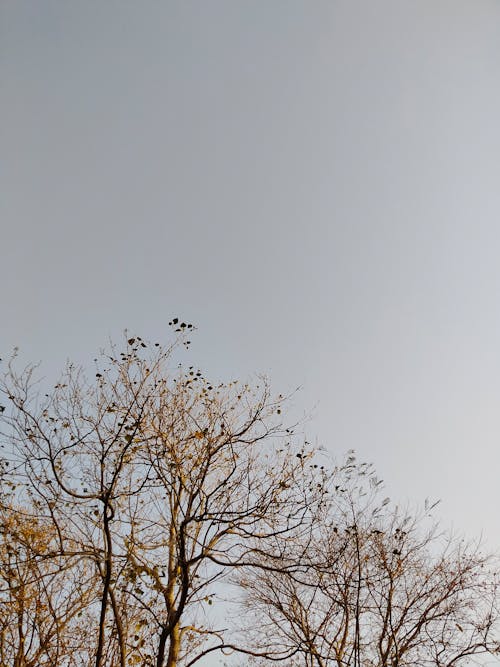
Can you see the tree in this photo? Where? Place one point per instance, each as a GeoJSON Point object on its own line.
{"type": "Point", "coordinates": [42, 595]}
{"type": "Point", "coordinates": [131, 500]}
{"type": "Point", "coordinates": [383, 588]}
{"type": "Point", "coordinates": [161, 483]}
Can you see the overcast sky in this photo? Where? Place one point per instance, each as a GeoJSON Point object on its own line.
{"type": "Point", "coordinates": [314, 184]}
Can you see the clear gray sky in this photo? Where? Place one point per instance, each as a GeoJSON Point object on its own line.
{"type": "Point", "coordinates": [315, 184]}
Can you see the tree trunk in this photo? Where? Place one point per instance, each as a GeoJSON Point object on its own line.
{"type": "Point", "coordinates": [174, 647]}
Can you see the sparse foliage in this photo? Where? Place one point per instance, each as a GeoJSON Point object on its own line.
{"type": "Point", "coordinates": [383, 588]}
{"type": "Point", "coordinates": [161, 483]}
{"type": "Point", "coordinates": [42, 595]}
{"type": "Point", "coordinates": [132, 500]}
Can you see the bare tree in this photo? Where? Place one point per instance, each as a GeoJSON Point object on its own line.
{"type": "Point", "coordinates": [162, 483]}
{"type": "Point", "coordinates": [383, 588]}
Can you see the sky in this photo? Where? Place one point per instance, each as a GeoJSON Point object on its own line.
{"type": "Point", "coordinates": [314, 184]}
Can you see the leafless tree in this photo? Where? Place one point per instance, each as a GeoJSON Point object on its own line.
{"type": "Point", "coordinates": [383, 588]}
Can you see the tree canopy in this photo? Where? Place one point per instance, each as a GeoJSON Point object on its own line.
{"type": "Point", "coordinates": [134, 498]}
